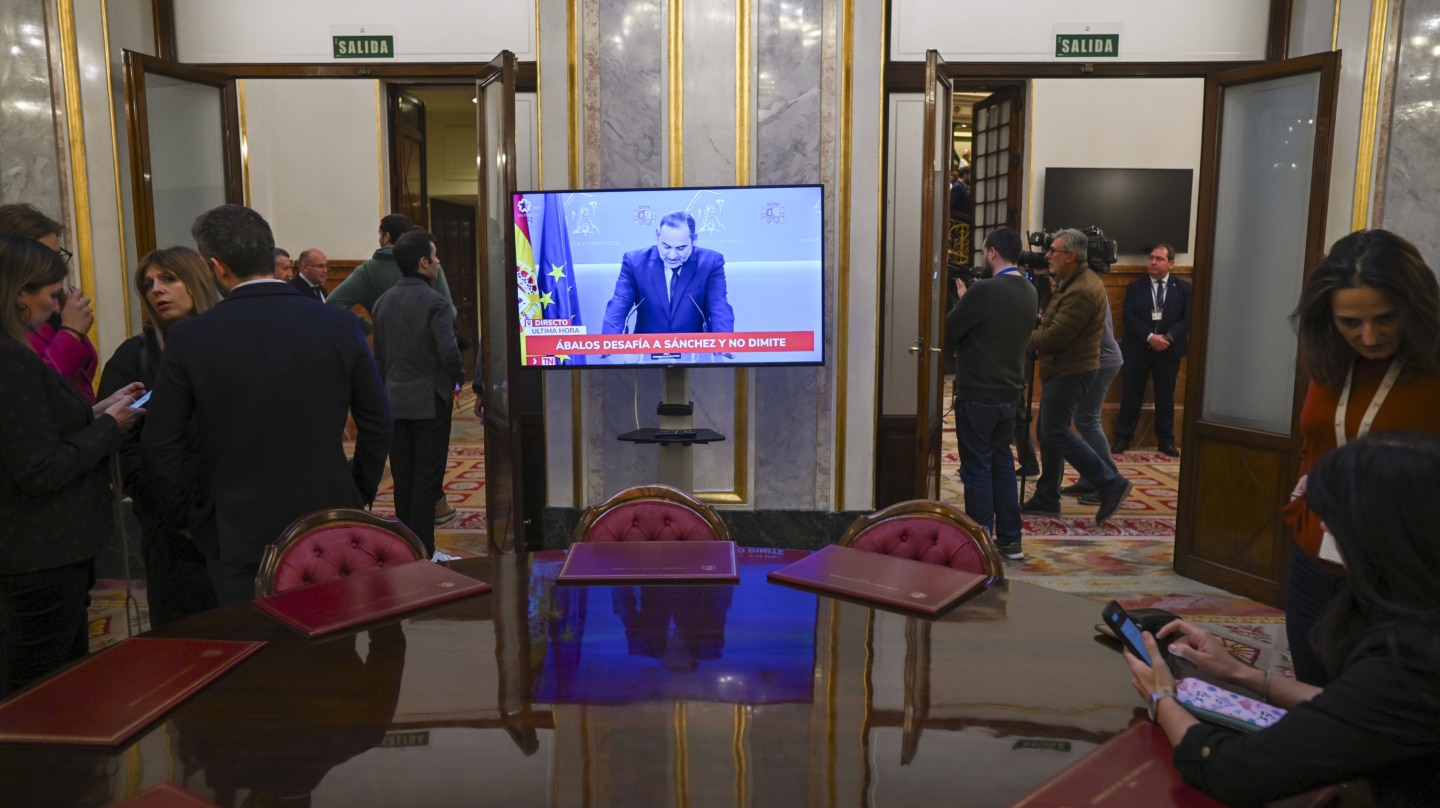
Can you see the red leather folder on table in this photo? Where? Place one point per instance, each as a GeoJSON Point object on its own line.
{"type": "Point", "coordinates": [114, 694]}
{"type": "Point", "coordinates": [347, 602]}
{"type": "Point", "coordinates": [1133, 770]}
{"type": "Point", "coordinates": [166, 795]}
{"type": "Point", "coordinates": [902, 582]}
{"type": "Point", "coordinates": [649, 562]}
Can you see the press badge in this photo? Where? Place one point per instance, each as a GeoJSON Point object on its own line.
{"type": "Point", "coordinates": [1155, 315]}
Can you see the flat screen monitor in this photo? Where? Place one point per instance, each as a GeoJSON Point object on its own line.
{"type": "Point", "coordinates": [1136, 207]}
{"type": "Point", "coordinates": [598, 285]}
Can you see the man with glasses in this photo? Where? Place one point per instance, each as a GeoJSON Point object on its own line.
{"type": "Point", "coordinates": [1067, 345]}
{"type": "Point", "coordinates": [312, 267]}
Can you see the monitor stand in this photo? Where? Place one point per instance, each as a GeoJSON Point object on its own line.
{"type": "Point", "coordinates": [676, 433]}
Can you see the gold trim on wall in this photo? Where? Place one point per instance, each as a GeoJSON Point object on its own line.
{"type": "Point", "coordinates": [115, 162]}
{"type": "Point", "coordinates": [539, 107]}
{"type": "Point", "coordinates": [842, 238]}
{"type": "Point", "coordinates": [79, 168]}
{"type": "Point", "coordinates": [380, 149]}
{"type": "Point", "coordinates": [741, 472]}
{"type": "Point", "coordinates": [572, 114]}
{"type": "Point", "coordinates": [676, 92]}
{"type": "Point", "coordinates": [244, 142]}
{"type": "Point", "coordinates": [743, 98]}
{"type": "Point", "coordinates": [1369, 111]}
{"type": "Point", "coordinates": [1335, 28]}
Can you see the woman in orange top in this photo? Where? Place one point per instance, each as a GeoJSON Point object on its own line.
{"type": "Point", "coordinates": [1369, 328]}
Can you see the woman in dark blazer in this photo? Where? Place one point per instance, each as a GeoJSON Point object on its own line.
{"type": "Point", "coordinates": [174, 285]}
{"type": "Point", "coordinates": [55, 497]}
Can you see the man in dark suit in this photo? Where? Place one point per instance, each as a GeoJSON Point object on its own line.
{"type": "Point", "coordinates": [264, 349]}
{"type": "Point", "coordinates": [1157, 331]}
{"type": "Point", "coordinates": [312, 268]}
{"type": "Point", "coordinates": [673, 287]}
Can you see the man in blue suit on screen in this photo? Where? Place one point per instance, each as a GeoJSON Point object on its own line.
{"type": "Point", "coordinates": [673, 287]}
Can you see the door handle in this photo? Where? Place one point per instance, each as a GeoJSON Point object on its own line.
{"type": "Point", "coordinates": [934, 350]}
{"type": "Point", "coordinates": [915, 348]}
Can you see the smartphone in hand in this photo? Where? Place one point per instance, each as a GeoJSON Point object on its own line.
{"type": "Point", "coordinates": [140, 402]}
{"type": "Point", "coordinates": [1127, 630]}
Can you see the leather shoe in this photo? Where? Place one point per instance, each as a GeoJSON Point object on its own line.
{"type": "Point", "coordinates": [1120, 446]}
{"type": "Point", "coordinates": [1029, 507]}
{"type": "Point", "coordinates": [1110, 503]}
{"type": "Point", "coordinates": [1077, 490]}
{"type": "Point", "coordinates": [1169, 450]}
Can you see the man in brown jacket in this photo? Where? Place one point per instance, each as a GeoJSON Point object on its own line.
{"type": "Point", "coordinates": [1067, 345]}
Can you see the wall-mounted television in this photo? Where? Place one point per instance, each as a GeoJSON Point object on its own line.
{"type": "Point", "coordinates": [598, 286]}
{"type": "Point", "coordinates": [1136, 207]}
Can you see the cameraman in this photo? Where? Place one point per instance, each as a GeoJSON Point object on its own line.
{"type": "Point", "coordinates": [1068, 346]}
{"type": "Point", "coordinates": [990, 327]}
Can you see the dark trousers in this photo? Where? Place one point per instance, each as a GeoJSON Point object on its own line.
{"type": "Point", "coordinates": [45, 622]}
{"type": "Point", "coordinates": [1165, 370]}
{"type": "Point", "coordinates": [417, 463]}
{"type": "Point", "coordinates": [983, 431]}
{"type": "Point", "coordinates": [1310, 590]}
{"type": "Point", "coordinates": [177, 578]}
{"type": "Point", "coordinates": [1060, 398]}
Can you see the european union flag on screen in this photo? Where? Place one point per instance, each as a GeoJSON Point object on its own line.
{"type": "Point", "coordinates": [559, 298]}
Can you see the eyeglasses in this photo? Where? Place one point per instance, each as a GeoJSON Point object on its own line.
{"type": "Point", "coordinates": [65, 255]}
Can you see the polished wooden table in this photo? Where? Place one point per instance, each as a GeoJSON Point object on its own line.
{"type": "Point", "coordinates": [534, 694]}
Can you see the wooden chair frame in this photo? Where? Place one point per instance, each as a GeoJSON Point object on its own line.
{"type": "Point", "coordinates": [659, 492]}
{"type": "Point", "coordinates": [932, 509]}
{"type": "Point", "coordinates": [298, 529]}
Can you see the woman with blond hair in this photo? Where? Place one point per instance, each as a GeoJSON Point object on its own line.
{"type": "Point", "coordinates": [55, 500]}
{"type": "Point", "coordinates": [174, 284]}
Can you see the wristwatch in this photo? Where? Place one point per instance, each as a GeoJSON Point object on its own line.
{"type": "Point", "coordinates": [1163, 693]}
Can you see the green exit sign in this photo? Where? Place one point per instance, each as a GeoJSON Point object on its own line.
{"type": "Point", "coordinates": [364, 47]}
{"type": "Point", "coordinates": [1087, 46]}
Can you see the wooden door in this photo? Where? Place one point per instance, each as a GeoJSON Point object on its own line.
{"type": "Point", "coordinates": [1264, 181]}
{"type": "Point", "coordinates": [932, 276]}
{"type": "Point", "coordinates": [409, 186]}
{"type": "Point", "coordinates": [453, 225]}
{"type": "Point", "coordinates": [184, 125]}
{"type": "Point", "coordinates": [514, 418]}
{"type": "Point", "coordinates": [997, 166]}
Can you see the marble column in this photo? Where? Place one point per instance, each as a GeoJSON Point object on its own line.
{"type": "Point", "coordinates": [29, 158]}
{"type": "Point", "coordinates": [1412, 172]}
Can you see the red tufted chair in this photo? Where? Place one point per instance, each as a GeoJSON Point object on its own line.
{"type": "Point", "coordinates": [334, 543]}
{"type": "Point", "coordinates": [929, 531]}
{"type": "Point", "coordinates": [650, 513]}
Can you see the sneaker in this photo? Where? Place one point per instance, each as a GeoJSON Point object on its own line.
{"type": "Point", "coordinates": [1078, 489]}
{"type": "Point", "coordinates": [439, 556]}
{"type": "Point", "coordinates": [1011, 551]}
{"type": "Point", "coordinates": [443, 510]}
{"type": "Point", "coordinates": [1110, 503]}
{"type": "Point", "coordinates": [1031, 508]}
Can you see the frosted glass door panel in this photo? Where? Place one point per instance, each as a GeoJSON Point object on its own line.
{"type": "Point", "coordinates": [1267, 146]}
{"type": "Point", "coordinates": [187, 148]}
{"type": "Point", "coordinates": [496, 317]}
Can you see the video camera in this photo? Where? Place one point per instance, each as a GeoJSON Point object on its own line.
{"type": "Point", "coordinates": [1100, 252]}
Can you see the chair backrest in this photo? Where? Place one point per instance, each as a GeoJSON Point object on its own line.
{"type": "Point", "coordinates": [929, 531]}
{"type": "Point", "coordinates": [650, 513]}
{"type": "Point", "coordinates": [334, 543]}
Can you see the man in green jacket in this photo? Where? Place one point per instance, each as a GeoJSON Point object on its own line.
{"type": "Point", "coordinates": [1067, 346]}
{"type": "Point", "coordinates": [374, 278]}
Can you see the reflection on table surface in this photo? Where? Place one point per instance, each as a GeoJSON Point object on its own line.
{"type": "Point", "coordinates": [533, 694]}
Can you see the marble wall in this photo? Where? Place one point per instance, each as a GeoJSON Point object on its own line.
{"type": "Point", "coordinates": [778, 422]}
{"type": "Point", "coordinates": [29, 157]}
{"type": "Point", "coordinates": [1412, 173]}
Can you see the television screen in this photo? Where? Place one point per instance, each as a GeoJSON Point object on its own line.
{"type": "Point", "coordinates": [672, 277]}
{"type": "Point", "coordinates": [1136, 207]}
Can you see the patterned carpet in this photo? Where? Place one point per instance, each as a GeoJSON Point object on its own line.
{"type": "Point", "coordinates": [1128, 560]}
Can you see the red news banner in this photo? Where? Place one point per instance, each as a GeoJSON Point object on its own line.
{"type": "Point", "coordinates": [541, 340]}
